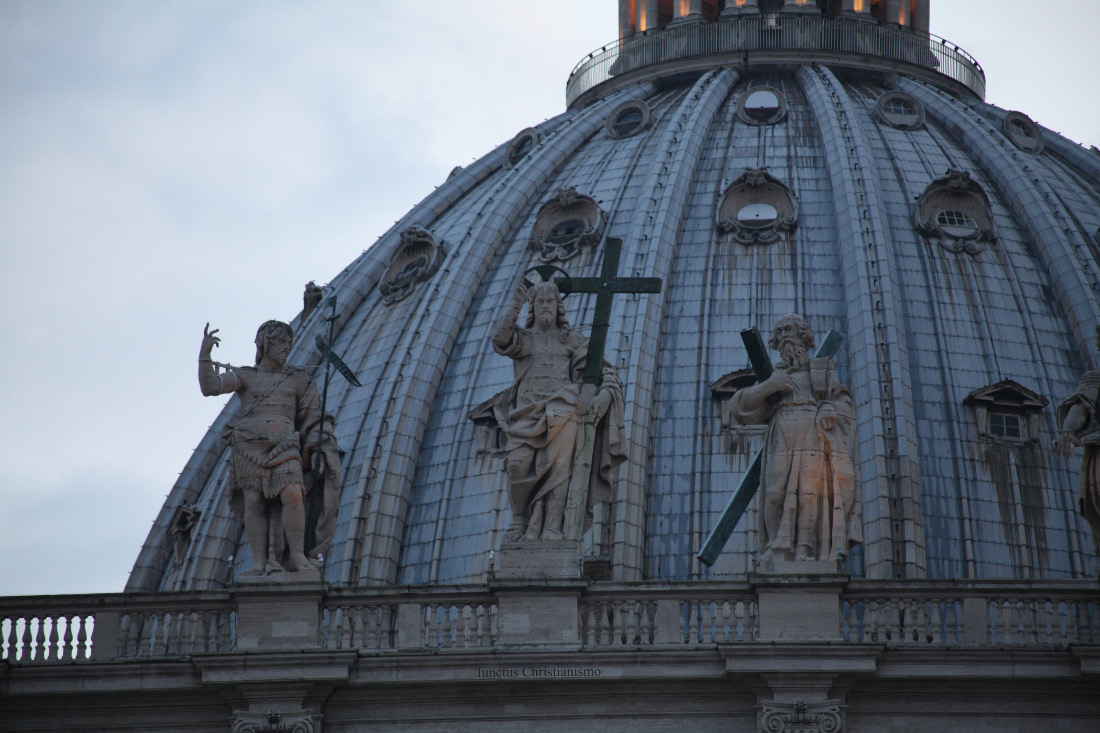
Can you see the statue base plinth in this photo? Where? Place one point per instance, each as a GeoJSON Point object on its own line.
{"type": "Point", "coordinates": [770, 565]}
{"type": "Point", "coordinates": [558, 560]}
{"type": "Point", "coordinates": [285, 576]}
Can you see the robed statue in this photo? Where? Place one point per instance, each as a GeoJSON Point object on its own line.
{"type": "Point", "coordinates": [1079, 422]}
{"type": "Point", "coordinates": [544, 412]}
{"type": "Point", "coordinates": [281, 451]}
{"type": "Point", "coordinates": [810, 502]}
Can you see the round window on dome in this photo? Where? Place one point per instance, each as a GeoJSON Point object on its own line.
{"type": "Point", "coordinates": [629, 118]}
{"type": "Point", "coordinates": [1023, 133]}
{"type": "Point", "coordinates": [762, 106]}
{"type": "Point", "coordinates": [521, 148]}
{"type": "Point", "coordinates": [956, 223]}
{"type": "Point", "coordinates": [900, 110]}
{"type": "Point", "coordinates": [565, 231]}
{"type": "Point", "coordinates": [757, 215]}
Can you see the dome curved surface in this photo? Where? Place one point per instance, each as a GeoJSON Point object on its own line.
{"type": "Point", "coordinates": [933, 337]}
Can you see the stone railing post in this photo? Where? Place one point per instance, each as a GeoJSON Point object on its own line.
{"type": "Point", "coordinates": [105, 635]}
{"type": "Point", "coordinates": [975, 621]}
{"type": "Point", "coordinates": [409, 626]}
{"type": "Point", "coordinates": [279, 615]}
{"type": "Point", "coordinates": [669, 622]}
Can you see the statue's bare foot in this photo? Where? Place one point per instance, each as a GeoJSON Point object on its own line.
{"type": "Point", "coordinates": [299, 562]}
{"type": "Point", "coordinates": [551, 535]}
{"type": "Point", "coordinates": [514, 532]}
{"type": "Point", "coordinates": [253, 571]}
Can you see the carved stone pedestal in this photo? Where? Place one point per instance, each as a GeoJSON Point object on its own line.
{"type": "Point", "coordinates": [278, 615]}
{"type": "Point", "coordinates": [538, 587]}
{"type": "Point", "coordinates": [539, 560]}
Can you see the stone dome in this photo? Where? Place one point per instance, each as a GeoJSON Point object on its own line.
{"type": "Point", "coordinates": [758, 164]}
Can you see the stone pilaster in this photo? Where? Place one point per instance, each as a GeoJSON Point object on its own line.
{"type": "Point", "coordinates": [741, 7]}
{"type": "Point", "coordinates": [538, 588]}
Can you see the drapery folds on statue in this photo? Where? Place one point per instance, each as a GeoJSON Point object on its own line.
{"type": "Point", "coordinates": [543, 414]}
{"type": "Point", "coordinates": [1079, 420]}
{"type": "Point", "coordinates": [810, 501]}
{"type": "Point", "coordinates": [275, 472]}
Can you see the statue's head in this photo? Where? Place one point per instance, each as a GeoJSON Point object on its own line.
{"type": "Point", "coordinates": [544, 303]}
{"type": "Point", "coordinates": [274, 337]}
{"type": "Point", "coordinates": [792, 338]}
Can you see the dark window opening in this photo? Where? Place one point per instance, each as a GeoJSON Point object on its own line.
{"type": "Point", "coordinates": [1005, 426]}
{"type": "Point", "coordinates": [565, 231]}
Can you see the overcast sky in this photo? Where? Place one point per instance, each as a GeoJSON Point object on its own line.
{"type": "Point", "coordinates": [164, 164]}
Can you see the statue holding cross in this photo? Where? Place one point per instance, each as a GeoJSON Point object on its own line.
{"type": "Point", "coordinates": [563, 417]}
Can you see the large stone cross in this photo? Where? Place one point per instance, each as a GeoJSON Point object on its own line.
{"type": "Point", "coordinates": [605, 286]}
{"type": "Point", "coordinates": [750, 481]}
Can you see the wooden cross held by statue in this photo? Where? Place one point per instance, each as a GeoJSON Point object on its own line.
{"type": "Point", "coordinates": [750, 481]}
{"type": "Point", "coordinates": [605, 286]}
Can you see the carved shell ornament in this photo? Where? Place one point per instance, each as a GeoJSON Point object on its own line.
{"type": "Point", "coordinates": [757, 208]}
{"type": "Point", "coordinates": [954, 213]}
{"type": "Point", "coordinates": [417, 258]}
{"type": "Point", "coordinates": [566, 223]}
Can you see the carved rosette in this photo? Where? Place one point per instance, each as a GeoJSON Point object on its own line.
{"type": "Point", "coordinates": [801, 717]}
{"type": "Point", "coordinates": [757, 208]}
{"type": "Point", "coordinates": [565, 224]}
{"type": "Point", "coordinates": [954, 213]}
{"type": "Point", "coordinates": [417, 259]}
{"type": "Point", "coordinates": [276, 722]}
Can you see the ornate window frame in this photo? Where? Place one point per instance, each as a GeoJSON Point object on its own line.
{"type": "Point", "coordinates": [1006, 399]}
{"type": "Point", "coordinates": [518, 149]}
{"type": "Point", "coordinates": [609, 124]}
{"type": "Point", "coordinates": [1023, 132]}
{"type": "Point", "coordinates": [416, 259]}
{"type": "Point", "coordinates": [778, 116]}
{"type": "Point", "coordinates": [757, 186]}
{"type": "Point", "coordinates": [937, 210]}
{"type": "Point", "coordinates": [566, 206]}
{"type": "Point", "coordinates": [895, 119]}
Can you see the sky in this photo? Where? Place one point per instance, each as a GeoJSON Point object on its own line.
{"type": "Point", "coordinates": [172, 163]}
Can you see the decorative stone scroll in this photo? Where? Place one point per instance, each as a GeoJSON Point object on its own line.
{"type": "Point", "coordinates": [801, 716]}
{"type": "Point", "coordinates": [276, 722]}
{"type": "Point", "coordinates": [565, 224]}
{"type": "Point", "coordinates": [757, 208]}
{"type": "Point", "coordinates": [417, 259]}
{"type": "Point", "coordinates": [954, 213]}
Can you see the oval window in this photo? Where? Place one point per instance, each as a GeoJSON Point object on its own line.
{"type": "Point", "coordinates": [757, 214]}
{"type": "Point", "coordinates": [956, 223]}
{"type": "Point", "coordinates": [565, 231]}
{"type": "Point", "coordinates": [897, 106]}
{"type": "Point", "coordinates": [762, 105]}
{"type": "Point", "coordinates": [521, 149]}
{"type": "Point", "coordinates": [628, 121]}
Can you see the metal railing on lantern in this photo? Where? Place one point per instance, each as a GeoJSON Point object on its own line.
{"type": "Point", "coordinates": [767, 38]}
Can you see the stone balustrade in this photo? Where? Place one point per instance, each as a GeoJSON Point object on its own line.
{"type": "Point", "coordinates": [76, 629]}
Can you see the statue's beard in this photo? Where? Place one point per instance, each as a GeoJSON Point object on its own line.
{"type": "Point", "coordinates": [793, 352]}
{"type": "Point", "coordinates": [546, 318]}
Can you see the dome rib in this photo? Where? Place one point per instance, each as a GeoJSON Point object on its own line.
{"type": "Point", "coordinates": [654, 232]}
{"type": "Point", "coordinates": [892, 517]}
{"type": "Point", "coordinates": [1058, 241]}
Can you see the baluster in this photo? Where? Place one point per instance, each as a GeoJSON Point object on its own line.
{"type": "Point", "coordinates": [482, 637]}
{"type": "Point", "coordinates": [346, 627]}
{"type": "Point", "coordinates": [604, 622]}
{"type": "Point", "coordinates": [372, 626]}
{"type": "Point", "coordinates": [53, 641]}
{"type": "Point", "coordinates": [168, 632]}
{"type": "Point", "coordinates": [185, 633]}
{"type": "Point", "coordinates": [39, 654]}
{"type": "Point", "coordinates": [7, 648]}
{"type": "Point", "coordinates": [448, 625]}
{"type": "Point", "coordinates": [1031, 622]}
{"type": "Point", "coordinates": [890, 620]}
{"type": "Point", "coordinates": [937, 620]}
{"type": "Point", "coordinates": [65, 651]}
{"type": "Point", "coordinates": [724, 614]}
{"type": "Point", "coordinates": [1014, 632]}
{"type": "Point", "coordinates": [494, 621]}
{"type": "Point", "coordinates": [195, 639]}
{"type": "Point", "coordinates": [358, 627]}
{"type": "Point", "coordinates": [693, 622]}
{"type": "Point", "coordinates": [81, 649]}
{"type": "Point", "coordinates": [428, 610]}
{"type": "Point", "coordinates": [870, 618]}
{"type": "Point", "coordinates": [921, 608]}
{"type": "Point", "coordinates": [1042, 622]}
{"type": "Point", "coordinates": [461, 639]}
{"type": "Point", "coordinates": [210, 631]}
{"type": "Point", "coordinates": [24, 651]}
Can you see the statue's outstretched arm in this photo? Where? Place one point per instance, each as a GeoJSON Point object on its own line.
{"type": "Point", "coordinates": [502, 332]}
{"type": "Point", "coordinates": [210, 382]}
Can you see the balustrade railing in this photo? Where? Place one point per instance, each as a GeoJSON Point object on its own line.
{"type": "Point", "coordinates": [984, 613]}
{"type": "Point", "coordinates": [637, 615]}
{"type": "Point", "coordinates": [799, 35]}
{"type": "Point", "coordinates": [991, 614]}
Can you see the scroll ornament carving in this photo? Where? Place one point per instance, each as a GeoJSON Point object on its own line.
{"type": "Point", "coordinates": [801, 717]}
{"type": "Point", "coordinates": [954, 213]}
{"type": "Point", "coordinates": [757, 208]}
{"type": "Point", "coordinates": [276, 722]}
{"type": "Point", "coordinates": [417, 258]}
{"type": "Point", "coordinates": [565, 224]}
